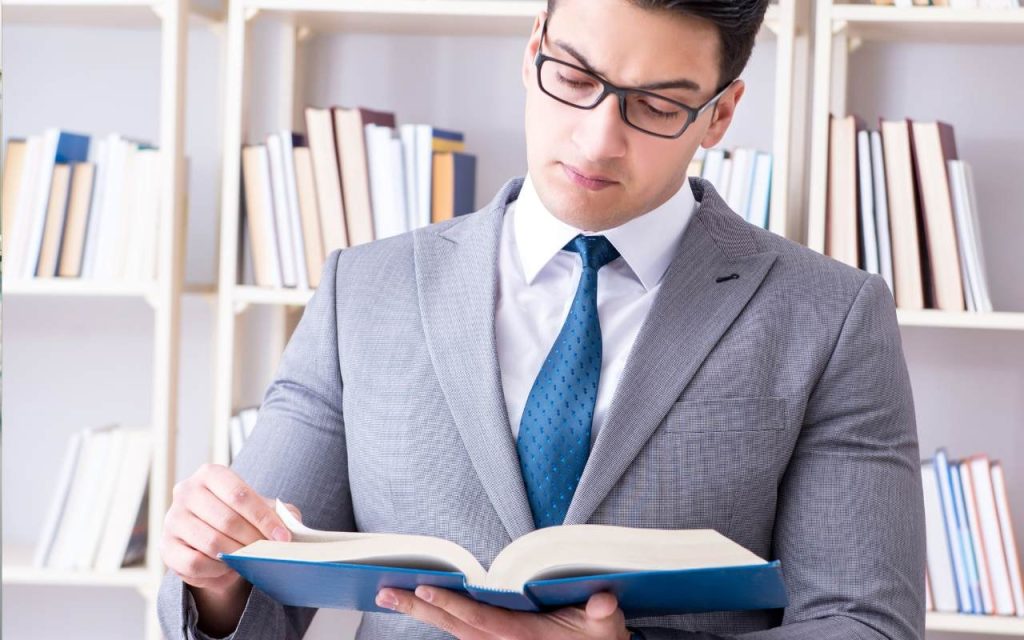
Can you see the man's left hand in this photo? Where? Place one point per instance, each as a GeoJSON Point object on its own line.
{"type": "Point", "coordinates": [467, 619]}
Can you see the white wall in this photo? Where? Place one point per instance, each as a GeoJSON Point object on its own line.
{"type": "Point", "coordinates": [71, 363]}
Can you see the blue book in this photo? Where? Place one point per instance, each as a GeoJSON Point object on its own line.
{"type": "Point", "coordinates": [651, 571]}
{"type": "Point", "coordinates": [966, 539]}
{"type": "Point", "coordinates": [943, 478]}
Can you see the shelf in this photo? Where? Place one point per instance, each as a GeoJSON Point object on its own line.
{"type": "Point", "coordinates": [18, 570]}
{"type": "Point", "coordinates": [420, 17]}
{"type": "Point", "coordinates": [116, 14]}
{"type": "Point", "coordinates": [1001, 320]}
{"type": "Point", "coordinates": [992, 625]}
{"type": "Point", "coordinates": [930, 24]}
{"type": "Point", "coordinates": [78, 287]}
{"type": "Point", "coordinates": [246, 295]}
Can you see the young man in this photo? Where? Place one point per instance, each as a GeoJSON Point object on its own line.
{"type": "Point", "coordinates": [713, 375]}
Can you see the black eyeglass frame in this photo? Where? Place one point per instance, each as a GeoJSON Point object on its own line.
{"type": "Point", "coordinates": [621, 92]}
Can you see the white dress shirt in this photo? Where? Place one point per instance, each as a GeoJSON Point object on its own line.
{"type": "Point", "coordinates": [537, 281]}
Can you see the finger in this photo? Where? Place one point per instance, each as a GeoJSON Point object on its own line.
{"type": "Point", "coordinates": [601, 606]}
{"type": "Point", "coordinates": [405, 602]}
{"type": "Point", "coordinates": [492, 620]}
{"type": "Point", "coordinates": [236, 494]}
{"type": "Point", "coordinates": [209, 508]}
{"type": "Point", "coordinates": [193, 566]}
{"type": "Point", "coordinates": [205, 539]}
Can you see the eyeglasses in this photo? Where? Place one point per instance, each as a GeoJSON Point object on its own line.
{"type": "Point", "coordinates": [648, 112]}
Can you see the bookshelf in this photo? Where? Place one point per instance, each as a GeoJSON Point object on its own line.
{"type": "Point", "coordinates": [168, 19]}
{"type": "Point", "coordinates": [788, 23]}
{"type": "Point", "coordinates": [935, 340]}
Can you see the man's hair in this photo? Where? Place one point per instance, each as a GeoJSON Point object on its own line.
{"type": "Point", "coordinates": [737, 23]}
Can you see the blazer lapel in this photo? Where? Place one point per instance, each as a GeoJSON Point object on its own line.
{"type": "Point", "coordinates": [689, 316]}
{"type": "Point", "coordinates": [456, 276]}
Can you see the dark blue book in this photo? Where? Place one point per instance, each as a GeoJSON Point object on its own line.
{"type": "Point", "coordinates": [651, 571]}
{"type": "Point", "coordinates": [465, 183]}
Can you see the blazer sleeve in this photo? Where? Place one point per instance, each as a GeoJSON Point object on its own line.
{"type": "Point", "coordinates": [849, 527]}
{"type": "Point", "coordinates": [297, 453]}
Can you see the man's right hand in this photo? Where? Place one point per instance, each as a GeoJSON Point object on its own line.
{"type": "Point", "coordinates": [215, 511]}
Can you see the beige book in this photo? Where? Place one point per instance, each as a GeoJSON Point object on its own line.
{"type": "Point", "coordinates": [309, 214]}
{"type": "Point", "coordinates": [259, 213]}
{"type": "Point", "coordinates": [349, 130]}
{"type": "Point", "coordinates": [14, 167]}
{"type": "Point", "coordinates": [841, 222]}
{"type": "Point", "coordinates": [934, 146]}
{"type": "Point", "coordinates": [83, 175]}
{"type": "Point", "coordinates": [443, 190]}
{"type": "Point", "coordinates": [56, 209]}
{"type": "Point", "coordinates": [899, 182]}
{"type": "Point", "coordinates": [327, 179]}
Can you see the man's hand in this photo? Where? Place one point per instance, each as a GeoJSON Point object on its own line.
{"type": "Point", "coordinates": [214, 511]}
{"type": "Point", "coordinates": [467, 619]}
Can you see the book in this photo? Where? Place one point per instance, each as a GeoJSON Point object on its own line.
{"type": "Point", "coordinates": [952, 527]}
{"type": "Point", "coordinates": [966, 541]}
{"type": "Point", "coordinates": [59, 501]}
{"type": "Point", "coordinates": [327, 178]}
{"type": "Point", "coordinates": [126, 500]}
{"type": "Point", "coordinates": [841, 231]}
{"type": "Point", "coordinates": [980, 471]}
{"type": "Point", "coordinates": [349, 129]}
{"type": "Point", "coordinates": [310, 213]}
{"type": "Point", "coordinates": [977, 541]}
{"type": "Point", "coordinates": [711, 169]}
{"type": "Point", "coordinates": [1009, 538]}
{"type": "Point", "coordinates": [651, 571]}
{"type": "Point", "coordinates": [56, 212]}
{"type": "Point", "coordinates": [881, 210]}
{"type": "Point", "coordinates": [965, 208]}
{"type": "Point", "coordinates": [868, 233]}
{"type": "Point", "coordinates": [283, 227]}
{"type": "Point", "coordinates": [934, 146]}
{"type": "Point", "coordinates": [940, 560]}
{"type": "Point", "coordinates": [738, 197]}
{"type": "Point", "coordinates": [454, 185]}
{"type": "Point", "coordinates": [259, 213]}
{"type": "Point", "coordinates": [761, 195]}
{"type": "Point", "coordinates": [902, 196]}
{"type": "Point", "coordinates": [14, 169]}
{"type": "Point", "coordinates": [289, 142]}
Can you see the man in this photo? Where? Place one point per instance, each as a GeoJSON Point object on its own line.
{"type": "Point", "coordinates": [707, 373]}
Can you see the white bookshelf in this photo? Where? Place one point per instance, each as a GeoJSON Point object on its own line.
{"type": "Point", "coordinates": [787, 22]}
{"type": "Point", "coordinates": [169, 20]}
{"type": "Point", "coordinates": [840, 29]}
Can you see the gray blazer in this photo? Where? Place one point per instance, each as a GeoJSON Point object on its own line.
{"type": "Point", "coordinates": [774, 407]}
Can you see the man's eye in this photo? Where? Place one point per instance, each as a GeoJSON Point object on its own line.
{"type": "Point", "coordinates": [658, 113]}
{"type": "Point", "coordinates": [575, 83]}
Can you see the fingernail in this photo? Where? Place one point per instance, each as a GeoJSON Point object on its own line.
{"type": "Point", "coordinates": [280, 534]}
{"type": "Point", "coordinates": [386, 600]}
{"type": "Point", "coordinates": [424, 593]}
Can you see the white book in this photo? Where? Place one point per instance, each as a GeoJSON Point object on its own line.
{"type": "Point", "coordinates": [91, 533]}
{"type": "Point", "coordinates": [18, 243]}
{"type": "Point", "coordinates": [424, 173]}
{"type": "Point", "coordinates": [980, 551]}
{"type": "Point", "coordinates": [96, 206]}
{"type": "Point", "coordinates": [269, 221]}
{"type": "Point", "coordinates": [127, 244]}
{"type": "Point", "coordinates": [738, 194]}
{"type": "Point", "coordinates": [712, 169]}
{"type": "Point", "coordinates": [725, 178]}
{"type": "Point", "coordinates": [85, 483]}
{"type": "Point", "coordinates": [388, 214]}
{"type": "Point", "coordinates": [980, 473]}
{"type": "Point", "coordinates": [36, 218]}
{"type": "Point", "coordinates": [282, 215]}
{"type": "Point", "coordinates": [291, 183]}
{"type": "Point", "coordinates": [945, 480]}
{"type": "Point", "coordinates": [132, 473]}
{"type": "Point", "coordinates": [407, 134]}
{"type": "Point", "coordinates": [110, 241]}
{"type": "Point", "coordinates": [1009, 541]}
{"type": "Point", "coordinates": [965, 209]}
{"type": "Point", "coordinates": [760, 195]}
{"type": "Point", "coordinates": [868, 234]}
{"type": "Point", "coordinates": [400, 222]}
{"type": "Point", "coordinates": [881, 210]}
{"type": "Point", "coordinates": [966, 539]}
{"type": "Point", "coordinates": [59, 501]}
{"type": "Point", "coordinates": [958, 195]}
{"type": "Point", "coordinates": [940, 564]}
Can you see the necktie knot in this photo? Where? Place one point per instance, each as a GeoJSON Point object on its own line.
{"type": "Point", "coordinates": [595, 251]}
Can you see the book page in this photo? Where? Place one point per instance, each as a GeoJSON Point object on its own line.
{"type": "Point", "coordinates": [587, 549]}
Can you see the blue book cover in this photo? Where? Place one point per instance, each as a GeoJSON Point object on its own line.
{"type": "Point", "coordinates": [651, 571]}
{"type": "Point", "coordinates": [943, 476]}
{"type": "Point", "coordinates": [966, 539]}
{"type": "Point", "coordinates": [465, 183]}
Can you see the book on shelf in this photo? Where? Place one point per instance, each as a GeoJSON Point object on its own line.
{"type": "Point", "coordinates": [97, 515]}
{"type": "Point", "coordinates": [74, 209]}
{"type": "Point", "coordinates": [902, 205]}
{"type": "Point", "coordinates": [973, 559]}
{"type": "Point", "coordinates": [743, 177]}
{"type": "Point", "coordinates": [298, 204]}
{"type": "Point", "coordinates": [651, 571]}
{"type": "Point", "coordinates": [240, 428]}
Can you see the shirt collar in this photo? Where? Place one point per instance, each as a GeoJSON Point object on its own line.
{"type": "Point", "coordinates": [647, 243]}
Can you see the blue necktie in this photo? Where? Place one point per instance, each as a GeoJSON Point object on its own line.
{"type": "Point", "coordinates": [554, 433]}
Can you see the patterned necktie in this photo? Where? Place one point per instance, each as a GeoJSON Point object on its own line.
{"type": "Point", "coordinates": [554, 434]}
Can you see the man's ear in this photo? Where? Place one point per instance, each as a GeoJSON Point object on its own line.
{"type": "Point", "coordinates": [722, 113]}
{"type": "Point", "coordinates": [532, 45]}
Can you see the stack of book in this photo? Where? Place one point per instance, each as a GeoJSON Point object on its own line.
{"type": "Point", "coordinates": [955, 4]}
{"type": "Point", "coordinates": [97, 518]}
{"type": "Point", "coordinates": [73, 214]}
{"type": "Point", "coordinates": [901, 204]}
{"type": "Point", "coordinates": [361, 177]}
{"type": "Point", "coordinates": [743, 177]}
{"type": "Point", "coordinates": [973, 561]}
{"type": "Point", "coordinates": [240, 428]}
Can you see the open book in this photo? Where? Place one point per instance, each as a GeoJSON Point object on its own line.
{"type": "Point", "coordinates": [651, 571]}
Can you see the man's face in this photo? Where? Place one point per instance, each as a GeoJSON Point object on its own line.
{"type": "Point", "coordinates": [631, 172]}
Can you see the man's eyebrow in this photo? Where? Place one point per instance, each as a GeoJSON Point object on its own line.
{"type": "Point", "coordinates": [683, 83]}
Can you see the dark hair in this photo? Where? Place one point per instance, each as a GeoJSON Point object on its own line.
{"type": "Point", "coordinates": [737, 23]}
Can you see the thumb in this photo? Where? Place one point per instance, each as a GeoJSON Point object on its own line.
{"type": "Point", "coordinates": [601, 606]}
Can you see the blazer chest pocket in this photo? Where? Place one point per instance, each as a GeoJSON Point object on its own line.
{"type": "Point", "coordinates": [727, 415]}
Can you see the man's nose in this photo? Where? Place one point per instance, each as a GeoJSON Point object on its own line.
{"type": "Point", "coordinates": [600, 133]}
